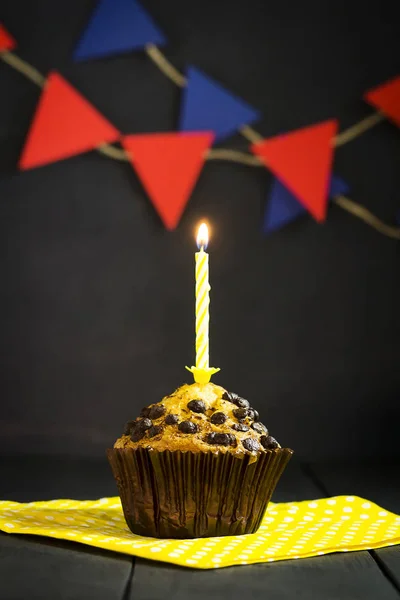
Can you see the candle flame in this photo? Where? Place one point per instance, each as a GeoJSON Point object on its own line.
{"type": "Point", "coordinates": [202, 237]}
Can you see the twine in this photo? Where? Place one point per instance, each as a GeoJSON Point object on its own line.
{"type": "Point", "coordinates": [23, 67]}
{"type": "Point", "coordinates": [249, 133]}
{"type": "Point", "coordinates": [113, 152]}
{"type": "Point", "coordinates": [165, 66]}
{"type": "Point", "coordinates": [365, 215]}
{"type": "Point", "coordinates": [235, 156]}
{"type": "Point", "coordinates": [350, 134]}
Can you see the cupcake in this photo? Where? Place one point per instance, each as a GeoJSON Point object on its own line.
{"type": "Point", "coordinates": [200, 463]}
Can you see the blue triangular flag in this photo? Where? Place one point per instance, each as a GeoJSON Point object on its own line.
{"type": "Point", "coordinates": [207, 106]}
{"type": "Point", "coordinates": [283, 207]}
{"type": "Point", "coordinates": [117, 26]}
{"type": "Point", "coordinates": [337, 187]}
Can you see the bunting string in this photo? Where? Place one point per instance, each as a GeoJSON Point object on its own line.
{"type": "Point", "coordinates": [159, 59]}
{"type": "Point", "coordinates": [358, 129]}
{"type": "Point", "coordinates": [368, 217]}
{"type": "Point", "coordinates": [165, 66]}
{"type": "Point", "coordinates": [248, 132]}
{"type": "Point", "coordinates": [23, 67]}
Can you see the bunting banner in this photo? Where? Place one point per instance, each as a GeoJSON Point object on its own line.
{"type": "Point", "coordinates": [302, 160]}
{"type": "Point", "coordinates": [207, 106]}
{"type": "Point", "coordinates": [168, 165]}
{"type": "Point", "coordinates": [284, 208]}
{"type": "Point", "coordinates": [65, 124]}
{"type": "Point", "coordinates": [386, 98]}
{"type": "Point", "coordinates": [117, 26]}
{"type": "Point", "coordinates": [7, 42]}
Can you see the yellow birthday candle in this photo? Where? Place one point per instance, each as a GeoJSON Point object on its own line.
{"type": "Point", "coordinates": [202, 372]}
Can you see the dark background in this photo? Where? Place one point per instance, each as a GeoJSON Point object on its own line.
{"type": "Point", "coordinates": [96, 298]}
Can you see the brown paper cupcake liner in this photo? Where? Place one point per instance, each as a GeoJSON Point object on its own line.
{"type": "Point", "coordinates": [190, 495]}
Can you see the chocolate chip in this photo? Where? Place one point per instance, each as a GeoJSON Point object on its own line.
{"type": "Point", "coordinates": [145, 411]}
{"type": "Point", "coordinates": [241, 403]}
{"type": "Point", "coordinates": [240, 413]}
{"type": "Point", "coordinates": [187, 427]}
{"type": "Point", "coordinates": [269, 442]}
{"type": "Point", "coordinates": [251, 413]}
{"type": "Point", "coordinates": [251, 445]}
{"type": "Point", "coordinates": [218, 418]}
{"type": "Point", "coordinates": [128, 427]}
{"type": "Point", "coordinates": [157, 411]}
{"type": "Point", "coordinates": [233, 439]}
{"type": "Point", "coordinates": [154, 430]}
{"type": "Point", "coordinates": [260, 428]}
{"type": "Point", "coordinates": [140, 428]}
{"type": "Point", "coordinates": [197, 406]}
{"type": "Point", "coordinates": [236, 399]}
{"type": "Point", "coordinates": [256, 416]}
{"type": "Point", "coordinates": [220, 439]}
{"type": "Point", "coordinates": [137, 434]}
{"type": "Point", "coordinates": [172, 419]}
{"type": "Point", "coordinates": [240, 427]}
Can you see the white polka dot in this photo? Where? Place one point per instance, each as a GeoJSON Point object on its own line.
{"type": "Point", "coordinates": [49, 518]}
{"type": "Point", "coordinates": [155, 549]}
{"type": "Point", "coordinates": [345, 517]}
{"type": "Point", "coordinates": [307, 518]}
{"type": "Point", "coordinates": [347, 509]}
{"type": "Point", "coordinates": [313, 505]}
{"type": "Point", "coordinates": [173, 555]}
{"type": "Point", "coordinates": [288, 519]}
{"type": "Point", "coordinates": [10, 525]}
{"type": "Point", "coordinates": [350, 499]}
{"type": "Point", "coordinates": [331, 501]}
{"type": "Point", "coordinates": [364, 516]}
{"type": "Point", "coordinates": [382, 513]}
{"type": "Point", "coordinates": [270, 560]}
{"type": "Point", "coordinates": [189, 561]}
{"type": "Point", "coordinates": [216, 559]}
{"type": "Point", "coordinates": [329, 512]}
{"type": "Point", "coordinates": [366, 505]}
{"type": "Point", "coordinates": [320, 553]}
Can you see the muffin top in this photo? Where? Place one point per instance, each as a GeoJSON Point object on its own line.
{"type": "Point", "coordinates": [199, 418]}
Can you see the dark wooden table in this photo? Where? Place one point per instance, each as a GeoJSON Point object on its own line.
{"type": "Point", "coordinates": [41, 568]}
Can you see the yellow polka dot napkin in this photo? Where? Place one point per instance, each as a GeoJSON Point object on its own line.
{"type": "Point", "coordinates": [291, 530]}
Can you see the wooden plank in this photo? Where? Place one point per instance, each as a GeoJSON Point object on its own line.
{"type": "Point", "coordinates": [28, 478]}
{"type": "Point", "coordinates": [332, 577]}
{"type": "Point", "coordinates": [376, 482]}
{"type": "Point", "coordinates": [46, 569]}
{"type": "Point", "coordinates": [39, 567]}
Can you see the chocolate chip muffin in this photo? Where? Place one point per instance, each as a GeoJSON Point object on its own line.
{"type": "Point", "coordinates": [199, 463]}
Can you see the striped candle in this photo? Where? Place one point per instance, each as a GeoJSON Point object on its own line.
{"type": "Point", "coordinates": [202, 300]}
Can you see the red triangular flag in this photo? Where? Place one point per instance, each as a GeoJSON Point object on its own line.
{"type": "Point", "coordinates": [7, 42]}
{"type": "Point", "coordinates": [302, 161]}
{"type": "Point", "coordinates": [65, 124]}
{"type": "Point", "coordinates": [168, 165]}
{"type": "Point", "coordinates": [386, 98]}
